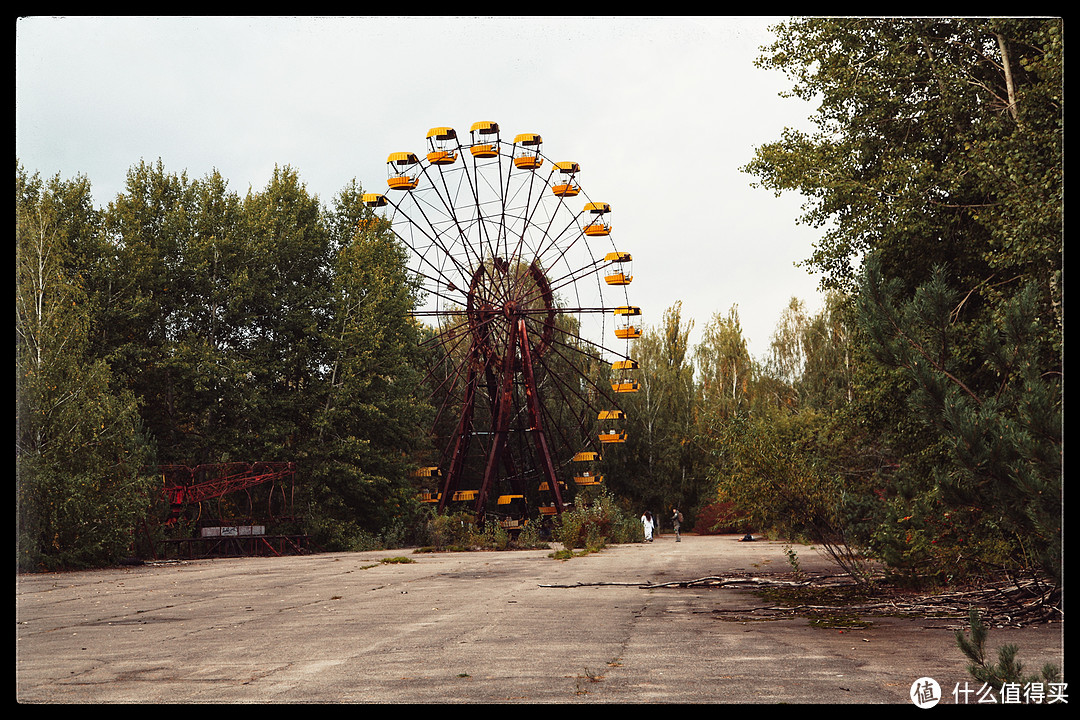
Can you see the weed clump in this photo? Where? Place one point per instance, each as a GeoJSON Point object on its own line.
{"type": "Point", "coordinates": [594, 525]}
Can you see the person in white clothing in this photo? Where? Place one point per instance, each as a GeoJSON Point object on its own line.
{"type": "Point", "coordinates": [647, 525]}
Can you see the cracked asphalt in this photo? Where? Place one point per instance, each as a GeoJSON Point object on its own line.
{"type": "Point", "coordinates": [470, 627]}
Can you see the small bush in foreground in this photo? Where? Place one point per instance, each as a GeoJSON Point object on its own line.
{"type": "Point", "coordinates": [594, 525]}
{"type": "Point", "coordinates": [1007, 670]}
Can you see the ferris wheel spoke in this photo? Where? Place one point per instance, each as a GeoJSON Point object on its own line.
{"type": "Point", "coordinates": [563, 242]}
{"type": "Point", "coordinates": [484, 238]}
{"type": "Point", "coordinates": [494, 195]}
{"type": "Point", "coordinates": [450, 400]}
{"type": "Point", "coordinates": [550, 421]}
{"type": "Point", "coordinates": [555, 348]}
{"type": "Point", "coordinates": [458, 334]}
{"type": "Point", "coordinates": [575, 276]}
{"type": "Point", "coordinates": [465, 226]}
{"type": "Point", "coordinates": [586, 406]}
{"type": "Point", "coordinates": [528, 216]}
{"type": "Point", "coordinates": [436, 281]}
{"type": "Point", "coordinates": [590, 343]}
{"type": "Point", "coordinates": [436, 240]}
{"type": "Point", "coordinates": [434, 291]}
{"type": "Point", "coordinates": [442, 362]}
{"type": "Point", "coordinates": [554, 376]}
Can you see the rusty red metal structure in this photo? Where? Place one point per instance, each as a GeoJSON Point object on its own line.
{"type": "Point", "coordinates": [258, 495]}
{"type": "Point", "coordinates": [184, 486]}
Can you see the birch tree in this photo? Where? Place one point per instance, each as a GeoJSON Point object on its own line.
{"type": "Point", "coordinates": [79, 445]}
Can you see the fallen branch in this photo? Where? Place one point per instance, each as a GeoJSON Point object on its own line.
{"type": "Point", "coordinates": [712, 581]}
{"type": "Point", "coordinates": [1009, 603]}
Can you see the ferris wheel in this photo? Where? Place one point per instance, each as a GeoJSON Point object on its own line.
{"type": "Point", "coordinates": [525, 295]}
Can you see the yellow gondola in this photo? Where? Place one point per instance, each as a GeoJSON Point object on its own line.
{"type": "Point", "coordinates": [528, 158]}
{"type": "Point", "coordinates": [619, 273]}
{"type": "Point", "coordinates": [373, 199]}
{"type": "Point", "coordinates": [587, 479]}
{"type": "Point", "coordinates": [627, 331]}
{"type": "Point", "coordinates": [544, 487]}
{"type": "Point", "coordinates": [439, 139]}
{"type": "Point", "coordinates": [621, 381]}
{"type": "Point", "coordinates": [429, 496]}
{"type": "Point", "coordinates": [588, 476]}
{"type": "Point", "coordinates": [611, 434]}
{"type": "Point", "coordinates": [484, 148]}
{"type": "Point", "coordinates": [566, 187]}
{"type": "Point", "coordinates": [398, 166]}
{"type": "Point", "coordinates": [464, 495]}
{"type": "Point", "coordinates": [512, 509]}
{"type": "Point", "coordinates": [598, 228]}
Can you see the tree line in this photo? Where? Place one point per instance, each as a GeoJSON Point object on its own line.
{"type": "Point", "coordinates": [915, 420]}
{"type": "Point", "coordinates": [186, 324]}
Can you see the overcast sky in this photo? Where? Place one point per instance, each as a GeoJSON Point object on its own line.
{"type": "Point", "coordinates": [660, 112]}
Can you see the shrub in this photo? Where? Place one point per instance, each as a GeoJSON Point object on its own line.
{"type": "Point", "coordinates": [719, 518]}
{"type": "Point", "coordinates": [452, 531]}
{"type": "Point", "coordinates": [1008, 669]}
{"type": "Point", "coordinates": [593, 525]}
{"type": "Point", "coordinates": [531, 537]}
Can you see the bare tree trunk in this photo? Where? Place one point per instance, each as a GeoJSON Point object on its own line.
{"type": "Point", "coordinates": [1007, 67]}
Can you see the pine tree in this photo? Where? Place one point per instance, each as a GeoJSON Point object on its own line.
{"type": "Point", "coordinates": [1000, 417]}
{"type": "Point", "coordinates": [1008, 669]}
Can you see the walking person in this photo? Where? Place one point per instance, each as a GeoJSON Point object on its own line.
{"type": "Point", "coordinates": [647, 525]}
{"type": "Point", "coordinates": [676, 522]}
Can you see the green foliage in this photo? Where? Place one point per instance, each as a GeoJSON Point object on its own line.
{"type": "Point", "coordinates": [452, 531]}
{"type": "Point", "coordinates": [777, 471]}
{"type": "Point", "coordinates": [917, 418]}
{"type": "Point", "coordinates": [459, 531]}
{"type": "Point", "coordinates": [209, 327]}
{"type": "Point", "coordinates": [937, 138]}
{"type": "Point", "coordinates": [532, 537]}
{"type": "Point", "coordinates": [594, 525]}
{"type": "Point", "coordinates": [935, 170]}
{"type": "Point", "coordinates": [793, 560]}
{"type": "Point", "coordinates": [1007, 669]}
{"type": "Point", "coordinates": [659, 465]}
{"type": "Point", "coordinates": [998, 415]}
{"type": "Point", "coordinates": [79, 443]}
{"type": "Point", "coordinates": [367, 420]}
{"type": "Point", "coordinates": [725, 369]}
